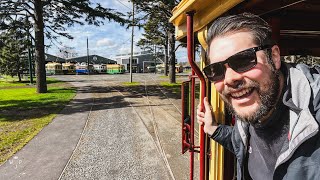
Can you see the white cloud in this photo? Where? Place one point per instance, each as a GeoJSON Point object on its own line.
{"type": "Point", "coordinates": [105, 42]}
{"type": "Point", "coordinates": [125, 49]}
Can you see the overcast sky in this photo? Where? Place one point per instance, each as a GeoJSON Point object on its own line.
{"type": "Point", "coordinates": [106, 40]}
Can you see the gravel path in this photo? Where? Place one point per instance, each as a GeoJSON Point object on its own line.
{"type": "Point", "coordinates": [115, 145]}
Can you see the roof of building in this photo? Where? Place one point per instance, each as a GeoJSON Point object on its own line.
{"type": "Point", "coordinates": [94, 59]}
{"type": "Point", "coordinates": [52, 58]}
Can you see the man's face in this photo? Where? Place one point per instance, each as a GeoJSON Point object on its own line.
{"type": "Point", "coordinates": [252, 94]}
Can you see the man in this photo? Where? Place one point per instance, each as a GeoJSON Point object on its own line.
{"type": "Point", "coordinates": [275, 104]}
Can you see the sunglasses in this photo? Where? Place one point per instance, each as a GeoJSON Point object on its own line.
{"type": "Point", "coordinates": [240, 62]}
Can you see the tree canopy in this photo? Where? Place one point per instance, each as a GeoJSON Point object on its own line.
{"type": "Point", "coordinates": [12, 50]}
{"type": "Point", "coordinates": [158, 29]}
{"type": "Point", "coordinates": [51, 18]}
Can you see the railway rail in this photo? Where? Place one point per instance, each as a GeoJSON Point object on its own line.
{"type": "Point", "coordinates": [154, 106]}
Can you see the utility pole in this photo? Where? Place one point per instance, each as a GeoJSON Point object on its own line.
{"type": "Point", "coordinates": [133, 23]}
{"type": "Point", "coordinates": [88, 62]}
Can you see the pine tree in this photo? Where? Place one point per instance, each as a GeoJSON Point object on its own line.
{"type": "Point", "coordinates": [158, 28]}
{"type": "Point", "coordinates": [12, 51]}
{"type": "Point", "coordinates": [51, 18]}
{"type": "Point", "coordinates": [155, 35]}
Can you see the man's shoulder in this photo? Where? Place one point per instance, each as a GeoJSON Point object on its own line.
{"type": "Point", "coordinates": [305, 76]}
{"type": "Point", "coordinates": [305, 68]}
{"type": "Point", "coordinates": [304, 72]}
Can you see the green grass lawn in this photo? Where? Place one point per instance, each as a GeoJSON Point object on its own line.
{"type": "Point", "coordinates": [131, 83]}
{"type": "Point", "coordinates": [175, 87]}
{"type": "Point", "coordinates": [23, 112]}
{"type": "Point", "coordinates": [7, 81]}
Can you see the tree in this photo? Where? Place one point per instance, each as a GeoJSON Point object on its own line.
{"type": "Point", "coordinates": [67, 52]}
{"type": "Point", "coordinates": [155, 35]}
{"type": "Point", "coordinates": [12, 51]}
{"type": "Point", "coordinates": [51, 18]}
{"type": "Point", "coordinates": [161, 31]}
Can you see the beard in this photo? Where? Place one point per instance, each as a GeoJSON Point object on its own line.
{"type": "Point", "coordinates": [268, 98]}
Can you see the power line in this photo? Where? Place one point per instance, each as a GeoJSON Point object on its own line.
{"type": "Point", "coordinates": [124, 4]}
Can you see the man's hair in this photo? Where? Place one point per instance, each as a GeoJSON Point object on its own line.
{"type": "Point", "coordinates": [260, 29]}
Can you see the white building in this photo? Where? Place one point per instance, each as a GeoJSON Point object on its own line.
{"type": "Point", "coordinates": [141, 62]}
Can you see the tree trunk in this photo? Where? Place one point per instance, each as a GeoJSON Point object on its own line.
{"type": "Point", "coordinates": [39, 48]}
{"type": "Point", "coordinates": [166, 47]}
{"type": "Point", "coordinates": [18, 71]}
{"type": "Point", "coordinates": [19, 76]}
{"type": "Point", "coordinates": [172, 68]}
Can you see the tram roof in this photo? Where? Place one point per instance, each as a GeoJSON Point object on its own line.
{"type": "Point", "coordinates": [298, 19]}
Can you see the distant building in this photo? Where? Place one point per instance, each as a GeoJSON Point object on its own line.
{"type": "Point", "coordinates": [93, 59]}
{"type": "Point", "coordinates": [52, 58]}
{"type": "Point", "coordinates": [142, 62]}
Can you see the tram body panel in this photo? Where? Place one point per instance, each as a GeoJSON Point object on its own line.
{"type": "Point", "coordinates": [206, 11]}
{"type": "Point", "coordinates": [100, 68]}
{"type": "Point", "coordinates": [115, 69]}
{"type": "Point", "coordinates": [83, 69]}
{"type": "Point", "coordinates": [53, 68]}
{"type": "Point", "coordinates": [68, 68]}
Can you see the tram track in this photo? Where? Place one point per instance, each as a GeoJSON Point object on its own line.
{"type": "Point", "coordinates": [96, 105]}
{"type": "Point", "coordinates": [155, 118]}
{"type": "Point", "coordinates": [195, 130]}
{"type": "Point", "coordinates": [153, 103]}
{"type": "Point", "coordinates": [79, 140]}
{"type": "Point", "coordinates": [169, 99]}
{"type": "Point", "coordinates": [161, 149]}
{"type": "Point", "coordinates": [153, 134]}
{"type": "Point", "coordinates": [155, 110]}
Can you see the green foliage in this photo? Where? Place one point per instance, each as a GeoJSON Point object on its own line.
{"type": "Point", "coordinates": [158, 29]}
{"type": "Point", "coordinates": [51, 18]}
{"type": "Point", "coordinates": [11, 53]}
{"type": "Point", "coordinates": [157, 23]}
{"type": "Point", "coordinates": [57, 15]}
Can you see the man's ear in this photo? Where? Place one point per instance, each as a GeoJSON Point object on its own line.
{"type": "Point", "coordinates": [276, 56]}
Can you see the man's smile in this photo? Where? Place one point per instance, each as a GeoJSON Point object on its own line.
{"type": "Point", "coordinates": [242, 93]}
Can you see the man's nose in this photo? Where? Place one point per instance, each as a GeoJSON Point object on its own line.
{"type": "Point", "coordinates": [232, 78]}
